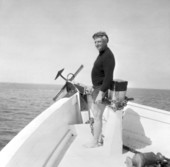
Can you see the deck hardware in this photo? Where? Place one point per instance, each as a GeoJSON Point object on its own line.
{"type": "Point", "coordinates": [71, 79]}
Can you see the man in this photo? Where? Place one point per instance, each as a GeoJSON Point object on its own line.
{"type": "Point", "coordinates": [102, 76]}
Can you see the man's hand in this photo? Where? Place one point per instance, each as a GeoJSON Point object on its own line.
{"type": "Point", "coordinates": [99, 97]}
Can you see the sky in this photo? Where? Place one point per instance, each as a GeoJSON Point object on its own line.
{"type": "Point", "coordinates": [40, 37]}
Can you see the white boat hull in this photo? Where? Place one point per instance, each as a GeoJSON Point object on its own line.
{"type": "Point", "coordinates": [55, 139]}
{"type": "Point", "coordinates": [146, 129]}
{"type": "Point", "coordinates": [36, 143]}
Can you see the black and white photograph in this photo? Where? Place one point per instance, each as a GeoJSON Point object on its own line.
{"type": "Point", "coordinates": [84, 83]}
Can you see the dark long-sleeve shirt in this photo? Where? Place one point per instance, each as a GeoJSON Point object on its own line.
{"type": "Point", "coordinates": [102, 71]}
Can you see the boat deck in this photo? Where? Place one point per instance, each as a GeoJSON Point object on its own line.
{"type": "Point", "coordinates": [147, 129]}
{"type": "Point", "coordinates": [55, 138]}
{"type": "Point", "coordinates": [78, 155]}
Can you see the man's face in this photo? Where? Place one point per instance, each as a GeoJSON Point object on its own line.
{"type": "Point", "coordinates": [100, 43]}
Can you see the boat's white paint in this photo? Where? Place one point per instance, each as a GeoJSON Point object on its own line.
{"type": "Point", "coordinates": [110, 154]}
{"type": "Point", "coordinates": [34, 145]}
{"type": "Point", "coordinates": [78, 155]}
{"type": "Point", "coordinates": [57, 154]}
{"type": "Point", "coordinates": [44, 141]}
{"type": "Point", "coordinates": [151, 113]}
{"type": "Point", "coordinates": [113, 133]}
{"type": "Point", "coordinates": [146, 129]}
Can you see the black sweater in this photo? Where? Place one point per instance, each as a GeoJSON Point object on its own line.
{"type": "Point", "coordinates": [102, 71]}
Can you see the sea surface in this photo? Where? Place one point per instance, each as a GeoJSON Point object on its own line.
{"type": "Point", "coordinates": [21, 103]}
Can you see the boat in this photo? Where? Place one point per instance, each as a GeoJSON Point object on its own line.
{"type": "Point", "coordinates": [57, 136]}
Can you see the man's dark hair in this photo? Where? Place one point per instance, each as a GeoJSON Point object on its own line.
{"type": "Point", "coordinates": [100, 34]}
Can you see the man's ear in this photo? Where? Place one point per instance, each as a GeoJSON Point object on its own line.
{"type": "Point", "coordinates": [105, 39]}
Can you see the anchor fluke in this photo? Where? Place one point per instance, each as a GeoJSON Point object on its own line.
{"type": "Point", "coordinates": [60, 74]}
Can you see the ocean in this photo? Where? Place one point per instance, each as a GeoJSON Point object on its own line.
{"type": "Point", "coordinates": [21, 103]}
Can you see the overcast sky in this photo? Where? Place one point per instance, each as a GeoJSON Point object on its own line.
{"type": "Point", "coordinates": [40, 37]}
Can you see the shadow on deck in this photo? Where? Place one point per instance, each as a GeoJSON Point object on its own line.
{"type": "Point", "coordinates": [133, 132]}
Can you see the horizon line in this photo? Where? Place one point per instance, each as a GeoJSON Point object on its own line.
{"type": "Point", "coordinates": [52, 84]}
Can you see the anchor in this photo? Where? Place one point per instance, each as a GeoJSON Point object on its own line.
{"type": "Point", "coordinates": [59, 74]}
{"type": "Point", "coordinates": [66, 79]}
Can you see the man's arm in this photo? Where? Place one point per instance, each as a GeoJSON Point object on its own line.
{"type": "Point", "coordinates": [108, 65]}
